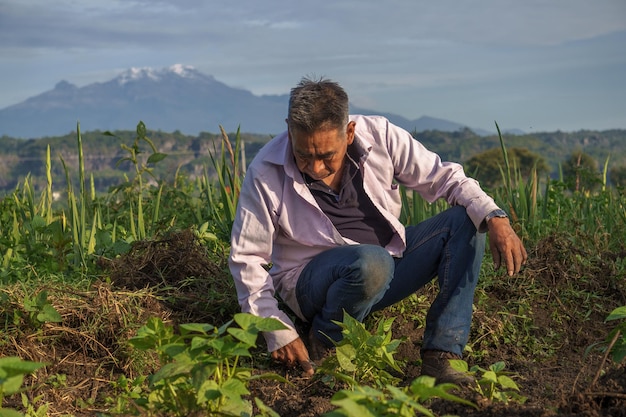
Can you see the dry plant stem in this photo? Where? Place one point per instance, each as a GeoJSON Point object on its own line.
{"type": "Point", "coordinates": [606, 355]}
{"type": "Point", "coordinates": [606, 394]}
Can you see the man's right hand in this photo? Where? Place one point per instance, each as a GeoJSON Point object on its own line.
{"type": "Point", "coordinates": [295, 353]}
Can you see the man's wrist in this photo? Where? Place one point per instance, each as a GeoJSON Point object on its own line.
{"type": "Point", "coordinates": [496, 213]}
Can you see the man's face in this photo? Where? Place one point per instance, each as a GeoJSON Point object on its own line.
{"type": "Point", "coordinates": [321, 154]}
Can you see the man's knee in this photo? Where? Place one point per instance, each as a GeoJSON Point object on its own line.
{"type": "Point", "coordinates": [376, 269]}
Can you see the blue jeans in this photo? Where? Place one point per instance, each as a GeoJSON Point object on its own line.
{"type": "Point", "coordinates": [364, 278]}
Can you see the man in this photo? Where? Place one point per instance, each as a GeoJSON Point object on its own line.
{"type": "Point", "coordinates": [317, 223]}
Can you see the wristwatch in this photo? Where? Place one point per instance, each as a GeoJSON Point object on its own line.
{"type": "Point", "coordinates": [496, 213]}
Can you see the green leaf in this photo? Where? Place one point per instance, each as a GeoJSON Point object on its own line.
{"type": "Point", "coordinates": [352, 409]}
{"type": "Point", "coordinates": [209, 391]}
{"type": "Point", "coordinates": [42, 298]}
{"type": "Point", "coordinates": [7, 412]}
{"type": "Point", "coordinates": [38, 223]}
{"type": "Point", "coordinates": [407, 401]}
{"type": "Point", "coordinates": [506, 382]}
{"type": "Point", "coordinates": [459, 365]}
{"type": "Point", "coordinates": [156, 157]}
{"type": "Point", "coordinates": [173, 369]}
{"type": "Point", "coordinates": [203, 328]}
{"type": "Point", "coordinates": [618, 313]}
{"type": "Point", "coordinates": [12, 384]}
{"type": "Point", "coordinates": [490, 376]}
{"type": "Point", "coordinates": [29, 304]}
{"type": "Point", "coordinates": [13, 365]}
{"type": "Point", "coordinates": [345, 355]}
{"type": "Point", "coordinates": [234, 388]}
{"type": "Point", "coordinates": [497, 367]}
{"type": "Point", "coordinates": [246, 336]}
{"type": "Point", "coordinates": [424, 388]}
{"type": "Point", "coordinates": [153, 334]}
{"type": "Point", "coordinates": [385, 325]}
{"type": "Point", "coordinates": [173, 350]}
{"type": "Point", "coordinates": [263, 324]}
{"type": "Point", "coordinates": [49, 314]}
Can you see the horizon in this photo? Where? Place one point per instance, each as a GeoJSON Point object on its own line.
{"type": "Point", "coordinates": [537, 67]}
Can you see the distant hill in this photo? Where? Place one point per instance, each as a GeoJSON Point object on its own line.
{"type": "Point", "coordinates": [169, 99]}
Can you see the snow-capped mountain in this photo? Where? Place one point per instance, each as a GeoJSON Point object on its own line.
{"type": "Point", "coordinates": [178, 97]}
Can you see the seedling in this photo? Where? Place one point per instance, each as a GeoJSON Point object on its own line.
{"type": "Point", "coordinates": [493, 383]}
{"type": "Point", "coordinates": [40, 310]}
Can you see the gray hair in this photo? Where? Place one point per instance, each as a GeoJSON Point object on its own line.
{"type": "Point", "coordinates": [317, 104]}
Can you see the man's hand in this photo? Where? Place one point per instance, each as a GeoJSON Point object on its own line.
{"type": "Point", "coordinates": [295, 353]}
{"type": "Point", "coordinates": [506, 247]}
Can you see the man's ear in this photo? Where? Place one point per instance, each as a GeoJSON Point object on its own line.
{"type": "Point", "coordinates": [350, 131]}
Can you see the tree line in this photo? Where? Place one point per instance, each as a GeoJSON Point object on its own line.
{"type": "Point", "coordinates": [582, 159]}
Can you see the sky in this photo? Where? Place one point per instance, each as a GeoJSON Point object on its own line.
{"type": "Point", "coordinates": [531, 65]}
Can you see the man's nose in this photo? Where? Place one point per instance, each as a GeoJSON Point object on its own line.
{"type": "Point", "coordinates": [317, 166]}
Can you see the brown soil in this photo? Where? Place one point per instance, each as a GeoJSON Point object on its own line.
{"type": "Point", "coordinates": [549, 363]}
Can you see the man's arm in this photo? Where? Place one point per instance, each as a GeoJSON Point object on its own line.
{"type": "Point", "coordinates": [251, 247]}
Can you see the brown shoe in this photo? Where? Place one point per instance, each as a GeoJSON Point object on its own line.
{"type": "Point", "coordinates": [318, 351]}
{"type": "Point", "coordinates": [436, 363]}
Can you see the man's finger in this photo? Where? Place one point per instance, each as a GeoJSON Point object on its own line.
{"type": "Point", "coordinates": [307, 367]}
{"type": "Point", "coordinates": [497, 258]}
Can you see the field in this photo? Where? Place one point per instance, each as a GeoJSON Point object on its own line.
{"type": "Point", "coordinates": [122, 304]}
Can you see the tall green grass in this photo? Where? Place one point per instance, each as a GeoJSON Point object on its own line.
{"type": "Point", "coordinates": [36, 230]}
{"type": "Point", "coordinates": [40, 234]}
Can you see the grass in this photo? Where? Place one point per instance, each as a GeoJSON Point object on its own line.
{"type": "Point", "coordinates": [80, 276]}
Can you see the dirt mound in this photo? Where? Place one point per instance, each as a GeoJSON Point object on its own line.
{"type": "Point", "coordinates": [84, 351]}
{"type": "Point", "coordinates": [192, 282]}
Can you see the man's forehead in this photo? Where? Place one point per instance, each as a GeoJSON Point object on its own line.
{"type": "Point", "coordinates": [319, 140]}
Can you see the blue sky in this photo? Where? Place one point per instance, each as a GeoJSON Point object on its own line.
{"type": "Point", "coordinates": [532, 65]}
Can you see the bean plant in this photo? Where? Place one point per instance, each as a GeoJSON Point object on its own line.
{"type": "Point", "coordinates": [201, 369]}
{"type": "Point", "coordinates": [365, 401]}
{"type": "Point", "coordinates": [12, 372]}
{"type": "Point", "coordinates": [362, 357]}
{"type": "Point", "coordinates": [494, 383]}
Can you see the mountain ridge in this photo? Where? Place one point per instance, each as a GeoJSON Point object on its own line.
{"type": "Point", "coordinates": [175, 98]}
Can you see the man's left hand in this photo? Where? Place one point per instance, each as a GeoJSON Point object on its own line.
{"type": "Point", "coordinates": [506, 247]}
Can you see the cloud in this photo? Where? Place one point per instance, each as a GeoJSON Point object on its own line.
{"type": "Point", "coordinates": [379, 50]}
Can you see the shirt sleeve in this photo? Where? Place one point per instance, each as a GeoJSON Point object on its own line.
{"type": "Point", "coordinates": [251, 248]}
{"type": "Point", "coordinates": [422, 170]}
